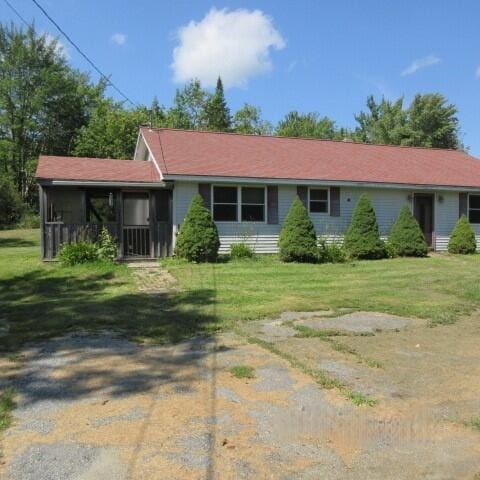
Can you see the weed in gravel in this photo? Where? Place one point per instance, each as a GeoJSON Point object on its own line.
{"type": "Point", "coordinates": [326, 334]}
{"type": "Point", "coordinates": [242, 371]}
{"type": "Point", "coordinates": [359, 399]}
{"type": "Point", "coordinates": [473, 423]}
{"type": "Point", "coordinates": [7, 404]}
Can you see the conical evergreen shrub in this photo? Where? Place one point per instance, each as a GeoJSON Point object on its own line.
{"type": "Point", "coordinates": [406, 237]}
{"type": "Point", "coordinates": [462, 239]}
{"type": "Point", "coordinates": [362, 240]}
{"type": "Point", "coordinates": [198, 239]}
{"type": "Point", "coordinates": [298, 240]}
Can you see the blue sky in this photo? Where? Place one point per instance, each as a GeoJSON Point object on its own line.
{"type": "Point", "coordinates": [308, 55]}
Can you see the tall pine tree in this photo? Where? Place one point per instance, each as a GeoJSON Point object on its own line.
{"type": "Point", "coordinates": [217, 113]}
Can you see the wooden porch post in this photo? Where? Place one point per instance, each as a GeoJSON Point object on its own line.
{"type": "Point", "coordinates": [120, 223]}
{"type": "Point", "coordinates": [152, 221]}
{"type": "Point", "coordinates": [43, 210]}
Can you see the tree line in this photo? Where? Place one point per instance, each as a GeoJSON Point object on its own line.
{"type": "Point", "coordinates": [48, 107]}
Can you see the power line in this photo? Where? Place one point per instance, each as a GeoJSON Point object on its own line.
{"type": "Point", "coordinates": [104, 77]}
{"type": "Point", "coordinates": [15, 11]}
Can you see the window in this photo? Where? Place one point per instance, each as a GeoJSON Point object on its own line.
{"type": "Point", "coordinates": [225, 204]}
{"type": "Point", "coordinates": [101, 207]}
{"type": "Point", "coordinates": [319, 200]}
{"type": "Point", "coordinates": [474, 208]}
{"type": "Point", "coordinates": [253, 204]}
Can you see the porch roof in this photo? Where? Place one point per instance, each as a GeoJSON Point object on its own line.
{"type": "Point", "coordinates": [95, 169]}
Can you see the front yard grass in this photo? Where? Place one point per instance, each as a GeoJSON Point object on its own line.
{"type": "Point", "coordinates": [40, 300]}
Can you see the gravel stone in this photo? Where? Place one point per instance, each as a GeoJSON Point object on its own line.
{"type": "Point", "coordinates": [273, 377]}
{"type": "Point", "coordinates": [361, 322]}
{"type": "Point", "coordinates": [229, 394]}
{"type": "Point", "coordinates": [62, 461]}
{"type": "Point", "coordinates": [136, 413]}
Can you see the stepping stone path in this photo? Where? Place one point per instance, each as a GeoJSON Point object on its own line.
{"type": "Point", "coordinates": [153, 279]}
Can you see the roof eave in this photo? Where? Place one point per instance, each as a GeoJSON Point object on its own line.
{"type": "Point", "coordinates": [101, 183]}
{"type": "Point", "coordinates": [290, 181]}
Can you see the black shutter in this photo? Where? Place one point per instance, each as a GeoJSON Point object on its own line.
{"type": "Point", "coordinates": [302, 192]}
{"type": "Point", "coordinates": [463, 204]}
{"type": "Point", "coordinates": [272, 204]}
{"type": "Point", "coordinates": [204, 189]}
{"type": "Point", "coordinates": [334, 201]}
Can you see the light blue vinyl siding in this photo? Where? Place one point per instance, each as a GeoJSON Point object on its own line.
{"type": "Point", "coordinates": [386, 201]}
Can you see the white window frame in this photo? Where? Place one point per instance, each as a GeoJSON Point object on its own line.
{"type": "Point", "coordinates": [328, 200]}
{"type": "Point", "coordinates": [239, 203]}
{"type": "Point", "coordinates": [469, 208]}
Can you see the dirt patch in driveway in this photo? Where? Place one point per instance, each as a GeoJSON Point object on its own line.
{"type": "Point", "coordinates": [101, 407]}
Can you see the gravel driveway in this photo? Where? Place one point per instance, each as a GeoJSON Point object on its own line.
{"type": "Point", "coordinates": [93, 407]}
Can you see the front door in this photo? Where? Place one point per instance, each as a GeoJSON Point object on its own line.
{"type": "Point", "coordinates": [423, 210]}
{"type": "Point", "coordinates": [136, 224]}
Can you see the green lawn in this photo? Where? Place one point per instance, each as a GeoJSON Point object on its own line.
{"type": "Point", "coordinates": [39, 300]}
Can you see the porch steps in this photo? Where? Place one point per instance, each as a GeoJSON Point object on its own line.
{"type": "Point", "coordinates": [153, 279]}
{"type": "Point", "coordinates": [141, 263]}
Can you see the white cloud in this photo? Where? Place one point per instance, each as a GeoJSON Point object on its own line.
{"type": "Point", "coordinates": [60, 47]}
{"type": "Point", "coordinates": [119, 39]}
{"type": "Point", "coordinates": [477, 72]}
{"type": "Point", "coordinates": [233, 44]}
{"type": "Point", "coordinates": [420, 63]}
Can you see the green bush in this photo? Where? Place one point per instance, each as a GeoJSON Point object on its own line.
{"type": "Point", "coordinates": [11, 205]}
{"type": "Point", "coordinates": [406, 237]}
{"type": "Point", "coordinates": [362, 240]}
{"type": "Point", "coordinates": [29, 220]}
{"type": "Point", "coordinates": [241, 250]}
{"type": "Point", "coordinates": [331, 252]}
{"type": "Point", "coordinates": [198, 239]}
{"type": "Point", "coordinates": [298, 240]}
{"type": "Point", "coordinates": [462, 239]}
{"type": "Point", "coordinates": [106, 247]}
{"type": "Point", "coordinates": [75, 253]}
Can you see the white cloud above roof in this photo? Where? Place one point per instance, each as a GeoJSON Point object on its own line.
{"type": "Point", "coordinates": [118, 39]}
{"type": "Point", "coordinates": [234, 44]}
{"type": "Point", "coordinates": [420, 63]}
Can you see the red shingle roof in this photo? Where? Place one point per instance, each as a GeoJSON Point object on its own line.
{"type": "Point", "coordinates": [95, 169]}
{"type": "Point", "coordinates": [182, 152]}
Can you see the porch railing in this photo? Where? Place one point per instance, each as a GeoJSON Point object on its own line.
{"type": "Point", "coordinates": [136, 241]}
{"type": "Point", "coordinates": [55, 234]}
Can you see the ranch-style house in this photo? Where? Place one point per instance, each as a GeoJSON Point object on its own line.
{"type": "Point", "coordinates": [249, 182]}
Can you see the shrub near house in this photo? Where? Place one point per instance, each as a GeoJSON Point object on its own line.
{"type": "Point", "coordinates": [298, 240]}
{"type": "Point", "coordinates": [406, 238]}
{"type": "Point", "coordinates": [362, 240]}
{"type": "Point", "coordinates": [462, 239]}
{"type": "Point", "coordinates": [198, 239]}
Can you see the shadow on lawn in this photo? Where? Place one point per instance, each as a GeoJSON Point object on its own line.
{"type": "Point", "coordinates": [38, 305]}
{"type": "Point", "coordinates": [77, 366]}
{"type": "Point", "coordinates": [16, 242]}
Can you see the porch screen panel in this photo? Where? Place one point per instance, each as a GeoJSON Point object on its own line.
{"type": "Point", "coordinates": [163, 205]}
{"type": "Point", "coordinates": [135, 209]}
{"type": "Point", "coordinates": [64, 206]}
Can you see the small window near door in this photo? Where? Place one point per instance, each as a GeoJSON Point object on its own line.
{"type": "Point", "coordinates": [225, 204]}
{"type": "Point", "coordinates": [474, 208]}
{"type": "Point", "coordinates": [101, 207]}
{"type": "Point", "coordinates": [253, 204]}
{"type": "Point", "coordinates": [318, 200]}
